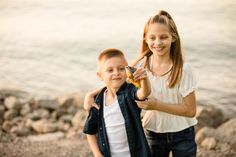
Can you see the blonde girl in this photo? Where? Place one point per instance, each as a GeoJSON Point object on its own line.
{"type": "Point", "coordinates": [170, 109]}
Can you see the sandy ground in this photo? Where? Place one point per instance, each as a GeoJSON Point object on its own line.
{"type": "Point", "coordinates": [71, 147]}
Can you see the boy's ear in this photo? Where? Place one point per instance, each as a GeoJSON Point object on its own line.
{"type": "Point", "coordinates": [99, 75]}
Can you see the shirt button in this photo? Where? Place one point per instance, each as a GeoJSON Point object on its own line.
{"type": "Point", "coordinates": [100, 128]}
{"type": "Point", "coordinates": [103, 144]}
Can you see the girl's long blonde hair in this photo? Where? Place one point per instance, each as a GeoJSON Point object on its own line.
{"type": "Point", "coordinates": [176, 56]}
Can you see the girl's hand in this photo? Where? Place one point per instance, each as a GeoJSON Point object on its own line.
{"type": "Point", "coordinates": [89, 102]}
{"type": "Point", "coordinates": [148, 104]}
{"type": "Point", "coordinates": [140, 74]}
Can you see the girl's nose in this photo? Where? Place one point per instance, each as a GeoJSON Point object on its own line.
{"type": "Point", "coordinates": [158, 42]}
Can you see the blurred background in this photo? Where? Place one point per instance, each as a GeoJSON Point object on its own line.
{"type": "Point", "coordinates": [50, 48]}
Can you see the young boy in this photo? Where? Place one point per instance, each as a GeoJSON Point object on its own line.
{"type": "Point", "coordinates": [115, 129]}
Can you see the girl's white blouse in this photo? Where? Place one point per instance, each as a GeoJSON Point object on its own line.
{"type": "Point", "coordinates": [161, 122]}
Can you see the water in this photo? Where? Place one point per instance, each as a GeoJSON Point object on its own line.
{"type": "Point", "coordinates": [50, 47]}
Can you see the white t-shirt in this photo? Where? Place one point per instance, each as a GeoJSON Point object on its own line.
{"type": "Point", "coordinates": [162, 122]}
{"type": "Point", "coordinates": [115, 128]}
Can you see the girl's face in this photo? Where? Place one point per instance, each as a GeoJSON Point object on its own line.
{"type": "Point", "coordinates": [159, 39]}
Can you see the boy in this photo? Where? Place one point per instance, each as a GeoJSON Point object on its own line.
{"type": "Point", "coordinates": [117, 122]}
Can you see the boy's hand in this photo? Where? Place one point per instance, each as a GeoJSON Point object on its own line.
{"type": "Point", "coordinates": [140, 74]}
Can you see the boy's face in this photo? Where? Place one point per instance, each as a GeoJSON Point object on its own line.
{"type": "Point", "coordinates": [112, 72]}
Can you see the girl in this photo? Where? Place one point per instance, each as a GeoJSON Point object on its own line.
{"type": "Point", "coordinates": [170, 109]}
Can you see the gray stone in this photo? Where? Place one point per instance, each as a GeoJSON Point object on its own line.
{"type": "Point", "coordinates": [10, 114]}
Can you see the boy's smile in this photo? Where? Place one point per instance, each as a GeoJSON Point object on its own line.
{"type": "Point", "coordinates": [113, 72]}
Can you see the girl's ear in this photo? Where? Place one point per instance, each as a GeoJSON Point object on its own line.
{"type": "Point", "coordinates": [99, 75]}
{"type": "Point", "coordinates": [173, 40]}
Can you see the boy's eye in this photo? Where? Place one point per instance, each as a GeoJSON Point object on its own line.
{"type": "Point", "coordinates": [122, 68]}
{"type": "Point", "coordinates": [109, 70]}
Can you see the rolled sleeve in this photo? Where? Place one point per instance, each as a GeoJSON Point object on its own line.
{"type": "Point", "coordinates": [91, 124]}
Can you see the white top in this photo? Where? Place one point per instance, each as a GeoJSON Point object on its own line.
{"type": "Point", "coordinates": [162, 122]}
{"type": "Point", "coordinates": [115, 127]}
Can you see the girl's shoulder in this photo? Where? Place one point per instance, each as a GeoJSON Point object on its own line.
{"type": "Point", "coordinates": [187, 68]}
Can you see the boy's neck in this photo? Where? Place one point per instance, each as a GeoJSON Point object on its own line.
{"type": "Point", "coordinates": [110, 96]}
{"type": "Point", "coordinates": [111, 92]}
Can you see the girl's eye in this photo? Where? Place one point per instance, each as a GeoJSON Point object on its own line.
{"type": "Point", "coordinates": [152, 38]}
{"type": "Point", "coordinates": [163, 37]}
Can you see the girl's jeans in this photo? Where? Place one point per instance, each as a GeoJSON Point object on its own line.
{"type": "Point", "coordinates": [182, 143]}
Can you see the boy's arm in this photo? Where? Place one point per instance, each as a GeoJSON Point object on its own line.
{"type": "Point", "coordinates": [144, 90]}
{"type": "Point", "coordinates": [92, 140]}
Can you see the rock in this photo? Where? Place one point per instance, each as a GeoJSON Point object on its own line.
{"type": "Point", "coordinates": [2, 108]}
{"type": "Point", "coordinates": [48, 104]}
{"type": "Point", "coordinates": [228, 128]}
{"type": "Point", "coordinates": [209, 116]}
{"type": "Point", "coordinates": [46, 137]}
{"type": "Point", "coordinates": [66, 118]}
{"type": "Point", "coordinates": [25, 109]}
{"type": "Point", "coordinates": [65, 101]}
{"type": "Point", "coordinates": [10, 114]}
{"type": "Point", "coordinates": [43, 126]}
{"type": "Point", "coordinates": [209, 143]}
{"type": "Point", "coordinates": [20, 130]}
{"type": "Point", "coordinates": [6, 126]}
{"type": "Point", "coordinates": [79, 119]}
{"type": "Point", "coordinates": [11, 103]}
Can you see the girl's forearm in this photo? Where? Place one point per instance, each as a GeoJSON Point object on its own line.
{"type": "Point", "coordinates": [187, 108]}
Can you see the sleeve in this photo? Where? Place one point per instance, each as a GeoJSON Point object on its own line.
{"type": "Point", "coordinates": [91, 123]}
{"type": "Point", "coordinates": [188, 82]}
{"type": "Point", "coordinates": [132, 91]}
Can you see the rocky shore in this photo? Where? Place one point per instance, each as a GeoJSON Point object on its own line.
{"type": "Point", "coordinates": [53, 127]}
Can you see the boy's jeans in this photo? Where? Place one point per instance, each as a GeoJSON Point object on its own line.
{"type": "Point", "coordinates": [182, 143]}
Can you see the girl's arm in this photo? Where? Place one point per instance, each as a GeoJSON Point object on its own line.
{"type": "Point", "coordinates": [92, 140]}
{"type": "Point", "coordinates": [89, 99]}
{"type": "Point", "coordinates": [187, 108]}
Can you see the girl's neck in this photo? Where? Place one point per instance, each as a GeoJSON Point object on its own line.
{"type": "Point", "coordinates": [161, 60]}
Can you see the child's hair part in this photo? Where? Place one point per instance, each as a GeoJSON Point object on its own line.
{"type": "Point", "coordinates": [109, 53]}
{"type": "Point", "coordinates": [163, 17]}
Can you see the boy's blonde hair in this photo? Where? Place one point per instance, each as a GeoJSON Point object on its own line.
{"type": "Point", "coordinates": [109, 53]}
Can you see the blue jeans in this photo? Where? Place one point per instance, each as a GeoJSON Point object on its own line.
{"type": "Point", "coordinates": [182, 143]}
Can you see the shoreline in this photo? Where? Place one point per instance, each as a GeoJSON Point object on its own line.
{"type": "Point", "coordinates": [26, 121]}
